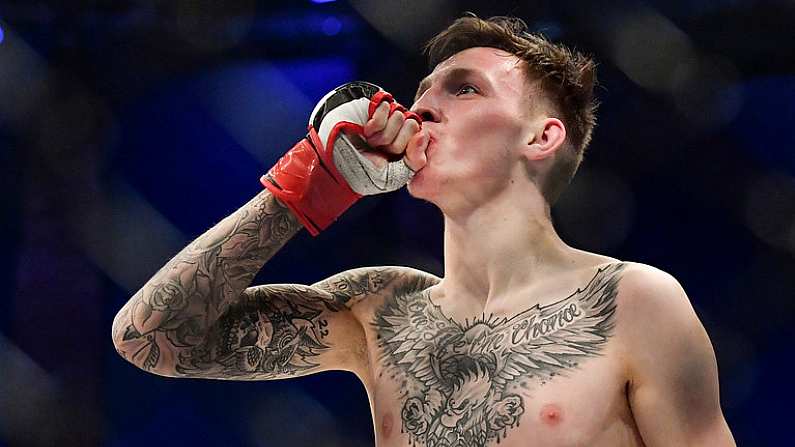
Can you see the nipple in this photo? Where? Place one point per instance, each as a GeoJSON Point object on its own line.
{"type": "Point", "coordinates": [551, 415]}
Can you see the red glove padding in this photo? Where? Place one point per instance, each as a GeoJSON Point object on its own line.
{"type": "Point", "coordinates": [306, 179]}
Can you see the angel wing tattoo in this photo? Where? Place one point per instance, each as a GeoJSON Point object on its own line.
{"type": "Point", "coordinates": [462, 381]}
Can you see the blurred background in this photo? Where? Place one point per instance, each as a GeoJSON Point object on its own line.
{"type": "Point", "coordinates": [129, 127]}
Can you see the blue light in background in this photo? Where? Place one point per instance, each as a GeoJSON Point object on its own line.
{"type": "Point", "coordinates": [1, 34]}
{"type": "Point", "coordinates": [322, 1]}
{"type": "Point", "coordinates": [331, 26]}
{"type": "Point", "coordinates": [236, 119]}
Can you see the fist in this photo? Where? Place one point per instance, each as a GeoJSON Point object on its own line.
{"type": "Point", "coordinates": [391, 136]}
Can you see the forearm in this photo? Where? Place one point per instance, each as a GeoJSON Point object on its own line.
{"type": "Point", "coordinates": [174, 309]}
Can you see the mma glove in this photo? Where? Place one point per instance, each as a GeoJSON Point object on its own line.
{"type": "Point", "coordinates": [324, 173]}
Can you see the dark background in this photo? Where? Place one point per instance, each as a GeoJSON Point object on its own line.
{"type": "Point", "coordinates": [129, 127]}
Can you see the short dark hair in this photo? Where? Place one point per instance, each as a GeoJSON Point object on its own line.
{"type": "Point", "coordinates": [565, 76]}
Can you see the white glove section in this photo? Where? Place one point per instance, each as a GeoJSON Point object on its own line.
{"type": "Point", "coordinates": [363, 176]}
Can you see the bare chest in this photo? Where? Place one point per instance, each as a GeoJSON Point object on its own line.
{"type": "Point", "coordinates": [544, 376]}
{"type": "Point", "coordinates": [583, 408]}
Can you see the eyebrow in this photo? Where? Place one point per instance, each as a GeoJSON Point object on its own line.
{"type": "Point", "coordinates": [425, 84]}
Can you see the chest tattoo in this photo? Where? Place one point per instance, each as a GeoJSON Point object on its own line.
{"type": "Point", "coordinates": [464, 384]}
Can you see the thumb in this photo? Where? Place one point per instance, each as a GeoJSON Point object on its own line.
{"type": "Point", "coordinates": [415, 150]}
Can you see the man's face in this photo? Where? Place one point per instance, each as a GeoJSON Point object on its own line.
{"type": "Point", "coordinates": [476, 109]}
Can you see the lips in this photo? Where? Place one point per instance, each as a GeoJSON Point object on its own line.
{"type": "Point", "coordinates": [431, 146]}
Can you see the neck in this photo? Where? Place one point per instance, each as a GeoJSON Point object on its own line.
{"type": "Point", "coordinates": [500, 248]}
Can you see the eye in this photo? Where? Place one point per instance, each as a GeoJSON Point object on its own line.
{"type": "Point", "coordinates": [466, 89]}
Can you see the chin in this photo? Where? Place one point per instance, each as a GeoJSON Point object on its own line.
{"type": "Point", "coordinates": [414, 190]}
{"type": "Point", "coordinates": [418, 186]}
{"type": "Point", "coordinates": [423, 187]}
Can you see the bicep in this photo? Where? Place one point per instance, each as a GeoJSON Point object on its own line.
{"type": "Point", "coordinates": [277, 331]}
{"type": "Point", "coordinates": [673, 390]}
{"type": "Point", "coordinates": [677, 403]}
{"type": "Point", "coordinates": [274, 331]}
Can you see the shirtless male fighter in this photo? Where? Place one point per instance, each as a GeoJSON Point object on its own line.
{"type": "Point", "coordinates": [525, 341]}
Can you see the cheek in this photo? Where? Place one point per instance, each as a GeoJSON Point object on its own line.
{"type": "Point", "coordinates": [490, 140]}
{"type": "Point", "coordinates": [488, 128]}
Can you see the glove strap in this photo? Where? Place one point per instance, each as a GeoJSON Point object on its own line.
{"type": "Point", "coordinates": [306, 179]}
{"type": "Point", "coordinates": [382, 96]}
{"type": "Point", "coordinates": [310, 185]}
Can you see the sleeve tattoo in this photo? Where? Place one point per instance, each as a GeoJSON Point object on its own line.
{"type": "Point", "coordinates": [196, 319]}
{"type": "Point", "coordinates": [279, 330]}
{"type": "Point", "coordinates": [175, 309]}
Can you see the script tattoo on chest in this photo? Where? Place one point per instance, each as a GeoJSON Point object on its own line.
{"type": "Point", "coordinates": [465, 384]}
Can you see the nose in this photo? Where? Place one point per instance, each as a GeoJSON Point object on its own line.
{"type": "Point", "coordinates": [426, 109]}
{"type": "Point", "coordinates": [428, 115]}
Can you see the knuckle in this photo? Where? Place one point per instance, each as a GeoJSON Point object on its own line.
{"type": "Point", "coordinates": [396, 124]}
{"type": "Point", "coordinates": [376, 141]}
{"type": "Point", "coordinates": [394, 148]}
{"type": "Point", "coordinates": [391, 132]}
{"type": "Point", "coordinates": [370, 129]}
{"type": "Point", "coordinates": [397, 118]}
{"type": "Point", "coordinates": [412, 129]}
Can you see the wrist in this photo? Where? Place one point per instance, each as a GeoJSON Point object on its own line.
{"type": "Point", "coordinates": [309, 184]}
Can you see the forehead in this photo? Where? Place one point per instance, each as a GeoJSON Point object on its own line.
{"type": "Point", "coordinates": [490, 60]}
{"type": "Point", "coordinates": [501, 68]}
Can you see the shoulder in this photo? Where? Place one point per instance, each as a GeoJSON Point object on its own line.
{"type": "Point", "coordinates": [644, 289]}
{"type": "Point", "coordinates": [671, 370]}
{"type": "Point", "coordinates": [656, 320]}
{"type": "Point", "coordinates": [352, 286]}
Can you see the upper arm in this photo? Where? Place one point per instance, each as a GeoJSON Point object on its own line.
{"type": "Point", "coordinates": [673, 383]}
{"type": "Point", "coordinates": [277, 331]}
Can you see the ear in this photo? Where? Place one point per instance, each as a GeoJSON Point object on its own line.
{"type": "Point", "coordinates": [549, 136]}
